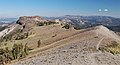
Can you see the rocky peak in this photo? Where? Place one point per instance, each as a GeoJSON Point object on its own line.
{"type": "Point", "coordinates": [26, 22]}
{"type": "Point", "coordinates": [29, 19]}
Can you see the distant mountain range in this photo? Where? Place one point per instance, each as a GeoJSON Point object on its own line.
{"type": "Point", "coordinates": [90, 21]}
{"type": "Point", "coordinates": [7, 20]}
{"type": "Point", "coordinates": [80, 21]}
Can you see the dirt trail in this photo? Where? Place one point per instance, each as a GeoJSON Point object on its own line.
{"type": "Point", "coordinates": [97, 47]}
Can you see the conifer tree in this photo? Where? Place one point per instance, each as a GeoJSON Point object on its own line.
{"type": "Point", "coordinates": [39, 43]}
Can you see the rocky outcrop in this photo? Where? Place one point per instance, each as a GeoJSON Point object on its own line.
{"type": "Point", "coordinates": [27, 22]}
{"type": "Point", "coordinates": [29, 19]}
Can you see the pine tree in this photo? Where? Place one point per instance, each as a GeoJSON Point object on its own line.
{"type": "Point", "coordinates": [39, 43]}
{"type": "Point", "coordinates": [26, 49]}
{"type": "Point", "coordinates": [1, 60]}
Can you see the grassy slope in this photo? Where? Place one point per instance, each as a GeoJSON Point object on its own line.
{"type": "Point", "coordinates": [54, 36]}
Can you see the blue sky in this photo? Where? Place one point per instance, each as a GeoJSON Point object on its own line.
{"type": "Point", "coordinates": [16, 8]}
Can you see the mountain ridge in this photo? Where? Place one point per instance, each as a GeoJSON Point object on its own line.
{"type": "Point", "coordinates": [90, 21]}
{"type": "Point", "coordinates": [58, 41]}
{"type": "Point", "coordinates": [80, 44]}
